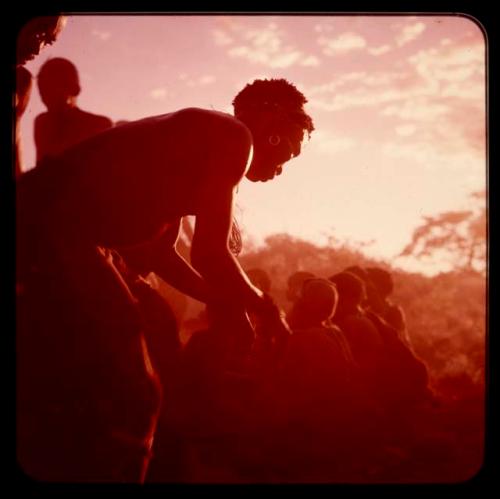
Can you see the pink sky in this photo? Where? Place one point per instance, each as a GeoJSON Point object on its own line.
{"type": "Point", "coordinates": [398, 104]}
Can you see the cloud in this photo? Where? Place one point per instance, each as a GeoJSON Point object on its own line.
{"type": "Point", "coordinates": [267, 45]}
{"type": "Point", "coordinates": [323, 28]}
{"type": "Point", "coordinates": [361, 97]}
{"type": "Point", "coordinates": [329, 144]}
{"type": "Point", "coordinates": [285, 60]}
{"type": "Point", "coordinates": [337, 82]}
{"type": "Point", "coordinates": [310, 60]}
{"type": "Point", "coordinates": [432, 105]}
{"type": "Point", "coordinates": [383, 49]}
{"type": "Point", "coordinates": [221, 38]}
{"type": "Point", "coordinates": [200, 81]}
{"type": "Point", "coordinates": [356, 89]}
{"type": "Point", "coordinates": [206, 79]}
{"type": "Point", "coordinates": [159, 93]}
{"type": "Point", "coordinates": [455, 134]}
{"type": "Point", "coordinates": [430, 157]}
{"type": "Point", "coordinates": [429, 84]}
{"type": "Point", "coordinates": [409, 33]}
{"type": "Point", "coordinates": [342, 44]}
{"type": "Point", "coordinates": [449, 62]}
{"type": "Point", "coordinates": [464, 90]}
{"type": "Point", "coordinates": [247, 53]}
{"type": "Point", "coordinates": [418, 109]}
{"type": "Point", "coordinates": [406, 130]}
{"type": "Point", "coordinates": [102, 35]}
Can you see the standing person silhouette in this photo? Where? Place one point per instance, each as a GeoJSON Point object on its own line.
{"type": "Point", "coordinates": [64, 124]}
{"type": "Point", "coordinates": [129, 187]}
{"type": "Point", "coordinates": [24, 84]}
{"type": "Point", "coordinates": [33, 36]}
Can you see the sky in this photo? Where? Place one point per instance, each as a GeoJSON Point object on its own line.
{"type": "Point", "coordinates": [398, 104]}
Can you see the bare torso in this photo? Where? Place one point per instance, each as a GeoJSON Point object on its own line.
{"type": "Point", "coordinates": [127, 184]}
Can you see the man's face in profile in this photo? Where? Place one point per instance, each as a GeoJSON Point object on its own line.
{"type": "Point", "coordinates": [271, 153]}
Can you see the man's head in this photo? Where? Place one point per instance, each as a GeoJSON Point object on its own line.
{"type": "Point", "coordinates": [372, 296]}
{"type": "Point", "coordinates": [382, 280]}
{"type": "Point", "coordinates": [318, 300]}
{"type": "Point", "coordinates": [273, 110]}
{"type": "Point", "coordinates": [58, 83]}
{"type": "Point", "coordinates": [351, 290]}
{"type": "Point", "coordinates": [295, 282]}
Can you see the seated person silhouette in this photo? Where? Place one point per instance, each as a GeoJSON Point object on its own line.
{"type": "Point", "coordinates": [402, 374]}
{"type": "Point", "coordinates": [411, 386]}
{"type": "Point", "coordinates": [379, 285]}
{"type": "Point", "coordinates": [316, 385]}
{"type": "Point", "coordinates": [130, 186]}
{"type": "Point", "coordinates": [64, 124]}
{"type": "Point", "coordinates": [310, 321]}
{"type": "Point", "coordinates": [393, 314]}
{"type": "Point", "coordinates": [363, 337]}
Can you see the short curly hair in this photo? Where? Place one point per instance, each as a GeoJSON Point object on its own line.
{"type": "Point", "coordinates": [274, 95]}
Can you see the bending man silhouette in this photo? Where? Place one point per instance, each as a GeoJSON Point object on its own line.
{"type": "Point", "coordinates": [133, 184]}
{"type": "Point", "coordinates": [64, 124]}
{"type": "Point", "coordinates": [129, 187]}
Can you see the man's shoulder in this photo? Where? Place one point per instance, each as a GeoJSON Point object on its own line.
{"type": "Point", "coordinates": [226, 140]}
{"type": "Point", "coordinates": [216, 120]}
{"type": "Point", "coordinates": [199, 122]}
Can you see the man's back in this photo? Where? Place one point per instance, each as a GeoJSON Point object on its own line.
{"type": "Point", "coordinates": [124, 185]}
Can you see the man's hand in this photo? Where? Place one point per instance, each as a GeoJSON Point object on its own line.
{"type": "Point", "coordinates": [273, 320]}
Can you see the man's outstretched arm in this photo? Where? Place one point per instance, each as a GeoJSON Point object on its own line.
{"type": "Point", "coordinates": [226, 281]}
{"type": "Point", "coordinates": [160, 256]}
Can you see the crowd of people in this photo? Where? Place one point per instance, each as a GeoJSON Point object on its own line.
{"type": "Point", "coordinates": [330, 391]}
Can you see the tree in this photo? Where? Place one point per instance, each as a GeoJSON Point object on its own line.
{"type": "Point", "coordinates": [458, 236]}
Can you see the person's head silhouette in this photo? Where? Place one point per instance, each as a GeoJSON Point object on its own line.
{"type": "Point", "coordinates": [58, 84]}
{"type": "Point", "coordinates": [382, 280]}
{"type": "Point", "coordinates": [318, 300]}
{"type": "Point", "coordinates": [295, 282]}
{"type": "Point", "coordinates": [351, 290]}
{"type": "Point", "coordinates": [273, 111]}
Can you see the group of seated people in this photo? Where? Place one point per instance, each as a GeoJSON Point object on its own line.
{"type": "Point", "coordinates": [336, 401]}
